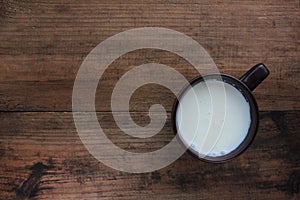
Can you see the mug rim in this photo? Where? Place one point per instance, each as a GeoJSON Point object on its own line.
{"type": "Point", "coordinates": [254, 116]}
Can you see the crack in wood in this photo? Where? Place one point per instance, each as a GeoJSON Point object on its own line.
{"type": "Point", "coordinates": [30, 187]}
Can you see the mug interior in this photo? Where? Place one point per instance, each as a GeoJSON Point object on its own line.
{"type": "Point", "coordinates": [247, 94]}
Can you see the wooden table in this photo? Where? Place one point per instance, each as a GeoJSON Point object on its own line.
{"type": "Point", "coordinates": [43, 44]}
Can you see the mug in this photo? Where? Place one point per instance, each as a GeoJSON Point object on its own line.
{"type": "Point", "coordinates": [216, 116]}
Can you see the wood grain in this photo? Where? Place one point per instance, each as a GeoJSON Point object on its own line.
{"type": "Point", "coordinates": [42, 157]}
{"type": "Point", "coordinates": [43, 44]}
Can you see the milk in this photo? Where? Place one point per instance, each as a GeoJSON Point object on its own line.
{"type": "Point", "coordinates": [213, 118]}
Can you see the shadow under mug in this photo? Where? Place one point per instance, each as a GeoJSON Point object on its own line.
{"type": "Point", "coordinates": [246, 84]}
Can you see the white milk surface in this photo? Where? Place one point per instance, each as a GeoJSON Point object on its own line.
{"type": "Point", "coordinates": [213, 118]}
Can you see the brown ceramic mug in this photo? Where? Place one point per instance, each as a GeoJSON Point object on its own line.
{"type": "Point", "coordinates": [238, 96]}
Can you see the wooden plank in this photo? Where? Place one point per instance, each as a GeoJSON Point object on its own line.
{"type": "Point", "coordinates": [42, 157]}
{"type": "Point", "coordinates": [43, 44]}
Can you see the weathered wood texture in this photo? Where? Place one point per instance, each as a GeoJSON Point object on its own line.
{"type": "Point", "coordinates": [42, 157]}
{"type": "Point", "coordinates": [42, 46]}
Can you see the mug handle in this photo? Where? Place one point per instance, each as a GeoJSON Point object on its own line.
{"type": "Point", "coordinates": [255, 76]}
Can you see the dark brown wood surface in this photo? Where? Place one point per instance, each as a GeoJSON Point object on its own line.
{"type": "Point", "coordinates": [42, 46]}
